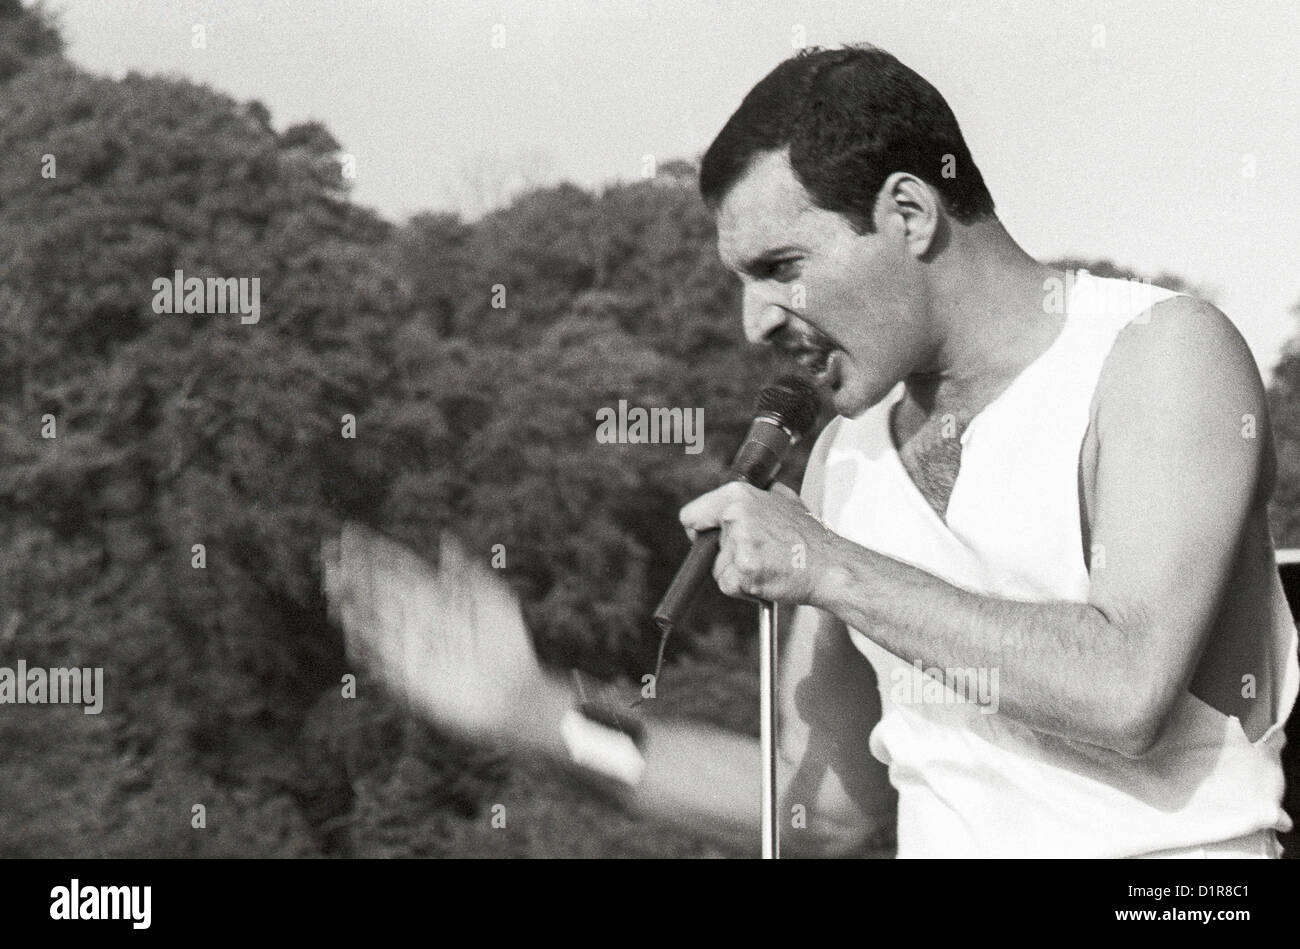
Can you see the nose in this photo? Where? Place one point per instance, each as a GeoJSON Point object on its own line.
{"type": "Point", "coordinates": [762, 314]}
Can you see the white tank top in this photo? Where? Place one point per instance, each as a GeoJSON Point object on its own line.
{"type": "Point", "coordinates": [977, 784]}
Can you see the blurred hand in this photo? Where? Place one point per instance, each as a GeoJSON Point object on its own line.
{"type": "Point", "coordinates": [450, 641]}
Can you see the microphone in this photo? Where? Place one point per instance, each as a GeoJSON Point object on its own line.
{"type": "Point", "coordinates": [785, 413]}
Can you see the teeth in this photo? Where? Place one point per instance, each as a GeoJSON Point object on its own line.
{"type": "Point", "coordinates": [815, 361]}
{"type": "Point", "coordinates": [823, 371]}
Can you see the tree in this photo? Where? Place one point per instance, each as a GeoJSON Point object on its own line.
{"type": "Point", "coordinates": [175, 430]}
{"type": "Point", "coordinates": [1284, 409]}
{"type": "Point", "coordinates": [26, 35]}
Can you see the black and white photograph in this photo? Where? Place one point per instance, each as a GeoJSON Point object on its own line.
{"type": "Point", "coordinates": [650, 430]}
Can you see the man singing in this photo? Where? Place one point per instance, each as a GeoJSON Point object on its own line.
{"type": "Point", "coordinates": [1047, 482]}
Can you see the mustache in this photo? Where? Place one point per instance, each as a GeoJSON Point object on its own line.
{"type": "Point", "coordinates": [792, 340]}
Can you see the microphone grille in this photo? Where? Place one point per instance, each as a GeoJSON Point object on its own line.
{"type": "Point", "coordinates": [792, 401]}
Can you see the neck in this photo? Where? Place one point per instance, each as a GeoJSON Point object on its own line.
{"type": "Point", "coordinates": [987, 311]}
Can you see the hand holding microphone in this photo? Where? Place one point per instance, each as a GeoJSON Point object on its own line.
{"type": "Point", "coordinates": [785, 413]}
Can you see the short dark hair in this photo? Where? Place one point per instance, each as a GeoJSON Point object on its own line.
{"type": "Point", "coordinates": [851, 117]}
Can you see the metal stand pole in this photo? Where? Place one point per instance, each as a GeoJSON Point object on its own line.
{"type": "Point", "coordinates": [767, 620]}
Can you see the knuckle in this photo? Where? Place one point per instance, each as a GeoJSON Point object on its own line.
{"type": "Point", "coordinates": [730, 513]}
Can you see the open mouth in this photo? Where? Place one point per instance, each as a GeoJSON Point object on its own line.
{"type": "Point", "coordinates": [822, 362]}
{"type": "Point", "coordinates": [815, 352]}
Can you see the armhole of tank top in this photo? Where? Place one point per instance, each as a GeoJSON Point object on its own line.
{"type": "Point", "coordinates": [1085, 515]}
{"type": "Point", "coordinates": [1081, 483]}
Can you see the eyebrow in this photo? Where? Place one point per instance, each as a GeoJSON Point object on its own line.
{"type": "Point", "coordinates": [753, 264]}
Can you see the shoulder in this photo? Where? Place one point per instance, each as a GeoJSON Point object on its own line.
{"type": "Point", "coordinates": [1182, 356]}
{"type": "Point", "coordinates": [1180, 381]}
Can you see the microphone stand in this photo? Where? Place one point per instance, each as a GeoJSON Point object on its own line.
{"type": "Point", "coordinates": [767, 621]}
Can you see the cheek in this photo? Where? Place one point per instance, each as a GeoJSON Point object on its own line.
{"type": "Point", "coordinates": [879, 335]}
{"type": "Point", "coordinates": [888, 283]}
{"type": "Point", "coordinates": [866, 311]}
{"type": "Point", "coordinates": [863, 299]}
{"type": "Point", "coordinates": [866, 277]}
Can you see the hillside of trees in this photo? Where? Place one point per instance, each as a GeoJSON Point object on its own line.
{"type": "Point", "coordinates": [471, 355]}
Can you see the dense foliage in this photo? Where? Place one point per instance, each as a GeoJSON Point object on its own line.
{"type": "Point", "coordinates": [224, 683]}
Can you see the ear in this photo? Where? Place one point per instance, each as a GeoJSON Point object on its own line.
{"type": "Point", "coordinates": [910, 208]}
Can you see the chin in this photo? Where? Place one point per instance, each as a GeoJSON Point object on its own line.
{"type": "Point", "coordinates": [849, 403]}
{"type": "Point", "coordinates": [852, 399]}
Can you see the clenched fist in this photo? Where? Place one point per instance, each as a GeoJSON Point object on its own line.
{"type": "Point", "coordinates": [772, 547]}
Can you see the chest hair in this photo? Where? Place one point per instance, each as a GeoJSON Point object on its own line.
{"type": "Point", "coordinates": [931, 455]}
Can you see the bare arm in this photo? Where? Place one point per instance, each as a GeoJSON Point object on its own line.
{"type": "Point", "coordinates": [833, 795]}
{"type": "Point", "coordinates": [450, 641]}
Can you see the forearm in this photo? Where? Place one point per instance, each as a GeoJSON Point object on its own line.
{"type": "Point", "coordinates": [1062, 668]}
{"type": "Point", "coordinates": [707, 781]}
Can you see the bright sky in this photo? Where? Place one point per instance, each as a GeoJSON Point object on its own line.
{"type": "Point", "coordinates": [1163, 134]}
